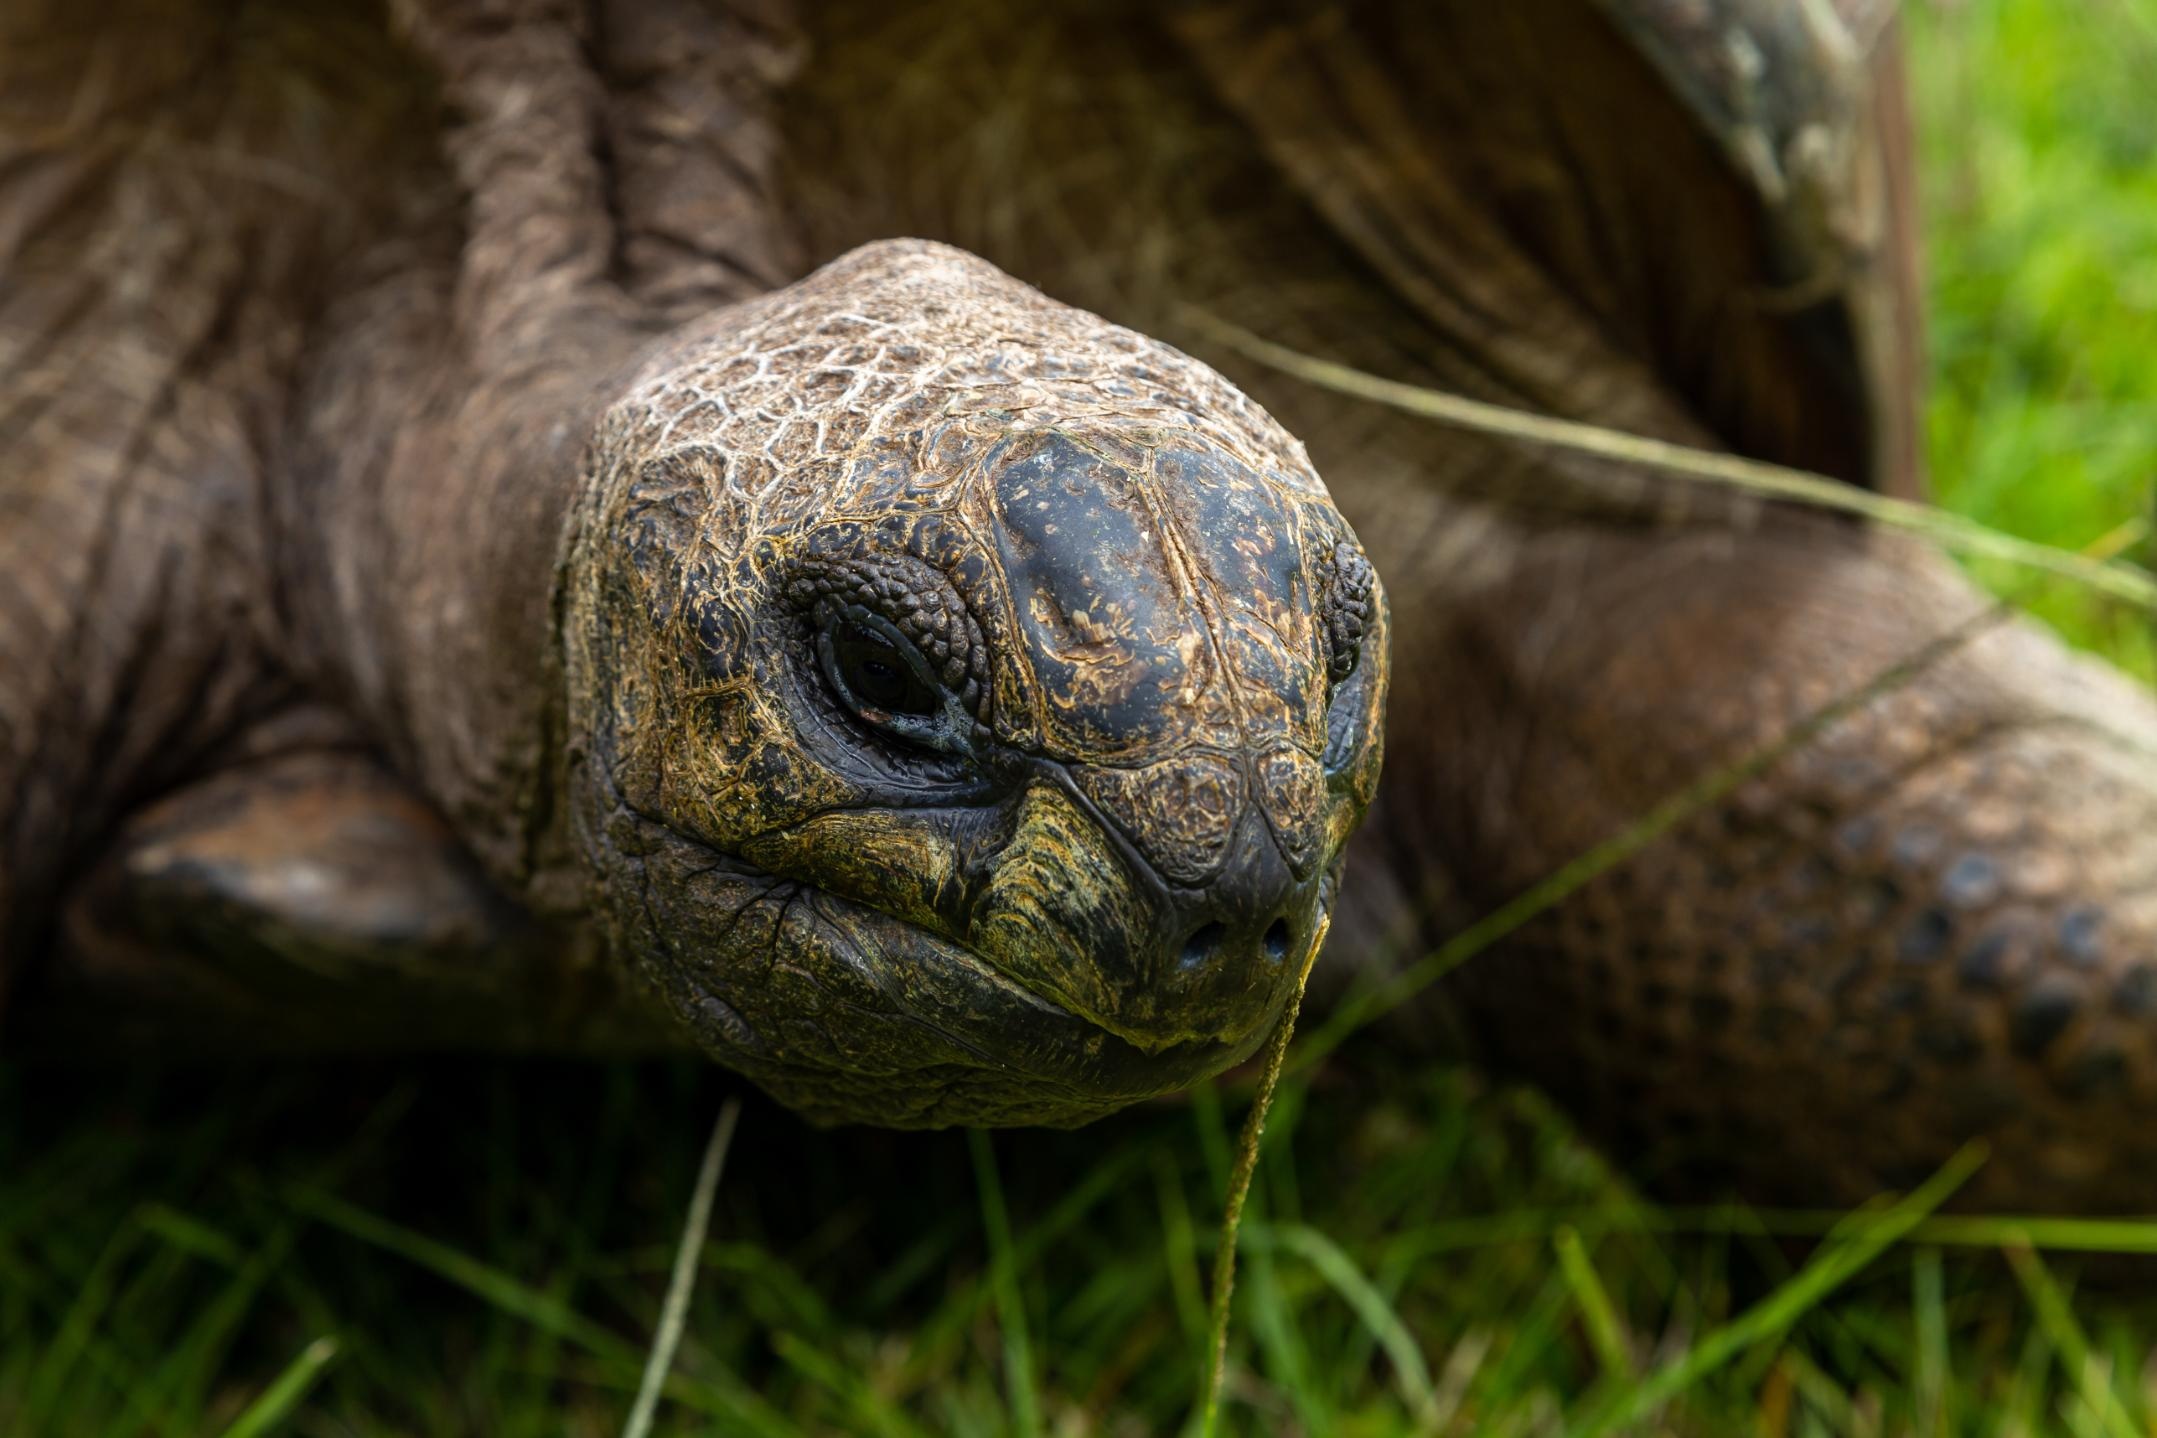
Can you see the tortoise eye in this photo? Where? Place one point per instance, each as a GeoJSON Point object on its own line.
{"type": "Point", "coordinates": [875, 677]}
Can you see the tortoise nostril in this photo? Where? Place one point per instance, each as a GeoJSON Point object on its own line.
{"type": "Point", "coordinates": [1215, 942]}
{"type": "Point", "coordinates": [1198, 949]}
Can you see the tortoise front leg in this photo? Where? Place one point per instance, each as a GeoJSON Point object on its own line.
{"type": "Point", "coordinates": [303, 900]}
{"type": "Point", "coordinates": [1935, 920]}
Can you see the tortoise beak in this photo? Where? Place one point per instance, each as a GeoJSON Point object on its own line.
{"type": "Point", "coordinates": [1075, 915]}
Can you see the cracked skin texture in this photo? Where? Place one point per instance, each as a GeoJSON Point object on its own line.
{"type": "Point", "coordinates": [283, 608]}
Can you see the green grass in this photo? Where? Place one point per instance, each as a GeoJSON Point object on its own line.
{"type": "Point", "coordinates": [468, 1247]}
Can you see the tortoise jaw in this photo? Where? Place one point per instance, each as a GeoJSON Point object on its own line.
{"type": "Point", "coordinates": [848, 1014]}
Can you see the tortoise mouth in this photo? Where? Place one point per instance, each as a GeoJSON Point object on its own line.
{"type": "Point", "coordinates": [852, 1015]}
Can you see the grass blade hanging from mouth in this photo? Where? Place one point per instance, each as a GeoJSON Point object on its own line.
{"type": "Point", "coordinates": [1239, 1185]}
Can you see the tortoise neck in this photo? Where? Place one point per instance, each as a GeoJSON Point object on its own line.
{"type": "Point", "coordinates": [426, 525]}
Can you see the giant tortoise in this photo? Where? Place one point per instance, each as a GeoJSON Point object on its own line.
{"type": "Point", "coordinates": [499, 545]}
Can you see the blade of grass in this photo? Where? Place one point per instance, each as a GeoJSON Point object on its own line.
{"type": "Point", "coordinates": [285, 1391]}
{"type": "Point", "coordinates": [83, 1315]}
{"type": "Point", "coordinates": [1011, 1309]}
{"type": "Point", "coordinates": [1826, 1396]}
{"type": "Point", "coordinates": [2068, 1341]}
{"type": "Point", "coordinates": [944, 1328]}
{"type": "Point", "coordinates": [1457, 1377]}
{"type": "Point", "coordinates": [1239, 1185]}
{"type": "Point", "coordinates": [1605, 1335]}
{"type": "Point", "coordinates": [1772, 1417]}
{"type": "Point", "coordinates": [1269, 1312]}
{"type": "Point", "coordinates": [497, 1288]}
{"type": "Point", "coordinates": [1179, 1245]}
{"type": "Point", "coordinates": [1341, 1273]}
{"type": "Point", "coordinates": [2110, 1236]}
{"type": "Point", "coordinates": [1868, 1234]}
{"type": "Point", "coordinates": [212, 1326]}
{"type": "Point", "coordinates": [190, 1235]}
{"type": "Point", "coordinates": [1774, 481]}
{"type": "Point", "coordinates": [1930, 1311]}
{"type": "Point", "coordinates": [675, 1311]}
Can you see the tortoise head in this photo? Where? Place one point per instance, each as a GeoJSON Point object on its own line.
{"type": "Point", "coordinates": [970, 699]}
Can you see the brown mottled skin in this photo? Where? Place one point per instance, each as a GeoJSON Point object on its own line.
{"type": "Point", "coordinates": [318, 334]}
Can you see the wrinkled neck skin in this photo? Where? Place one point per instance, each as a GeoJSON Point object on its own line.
{"type": "Point", "coordinates": [420, 567]}
{"type": "Point", "coordinates": [444, 423]}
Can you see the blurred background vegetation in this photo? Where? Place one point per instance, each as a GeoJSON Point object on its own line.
{"type": "Point", "coordinates": [470, 1247]}
{"type": "Point", "coordinates": [2038, 158]}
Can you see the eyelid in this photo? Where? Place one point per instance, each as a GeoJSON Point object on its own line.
{"type": "Point", "coordinates": [1347, 592]}
{"type": "Point", "coordinates": [1345, 720]}
{"type": "Point", "coordinates": [915, 599]}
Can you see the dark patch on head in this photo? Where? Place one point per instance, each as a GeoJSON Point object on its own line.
{"type": "Point", "coordinates": [1239, 529]}
{"type": "Point", "coordinates": [1345, 720]}
{"type": "Point", "coordinates": [1246, 540]}
{"type": "Point", "coordinates": [1095, 592]}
